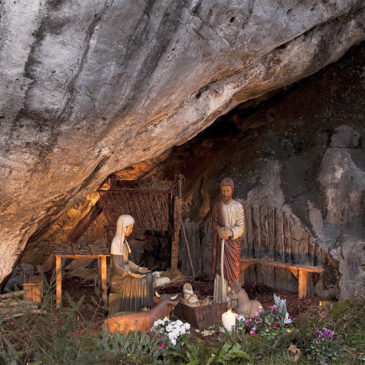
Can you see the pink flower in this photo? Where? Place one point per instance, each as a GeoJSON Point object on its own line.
{"type": "Point", "coordinates": [249, 321]}
{"type": "Point", "coordinates": [158, 335]}
{"type": "Point", "coordinates": [273, 308]}
{"type": "Point", "coordinates": [276, 324]}
{"type": "Point", "coordinates": [253, 331]}
{"type": "Point", "coordinates": [161, 346]}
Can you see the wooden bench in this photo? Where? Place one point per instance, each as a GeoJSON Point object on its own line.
{"type": "Point", "coordinates": [299, 271]}
{"type": "Point", "coordinates": [74, 251]}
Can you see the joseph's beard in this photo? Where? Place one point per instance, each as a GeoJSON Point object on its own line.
{"type": "Point", "coordinates": [227, 199]}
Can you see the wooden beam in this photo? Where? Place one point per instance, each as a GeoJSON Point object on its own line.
{"type": "Point", "coordinates": [243, 267]}
{"type": "Point", "coordinates": [294, 272]}
{"type": "Point", "coordinates": [269, 262]}
{"type": "Point", "coordinates": [299, 271]}
{"type": "Point", "coordinates": [103, 273]}
{"type": "Point", "coordinates": [302, 284]}
{"type": "Point", "coordinates": [58, 281]}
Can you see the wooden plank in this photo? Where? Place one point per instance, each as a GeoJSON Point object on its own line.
{"type": "Point", "coordinates": [308, 260]}
{"type": "Point", "coordinates": [248, 216]}
{"type": "Point", "coordinates": [287, 248]}
{"type": "Point", "coordinates": [278, 236]}
{"type": "Point", "coordinates": [302, 284]}
{"type": "Point", "coordinates": [294, 272]}
{"type": "Point", "coordinates": [201, 317]}
{"type": "Point", "coordinates": [264, 262]}
{"type": "Point", "coordinates": [265, 246]}
{"type": "Point", "coordinates": [243, 266]}
{"type": "Point", "coordinates": [103, 279]}
{"type": "Point", "coordinates": [83, 256]}
{"type": "Point", "coordinates": [58, 281]}
{"type": "Point", "coordinates": [271, 224]}
{"type": "Point", "coordinates": [256, 230]}
{"type": "Point", "coordinates": [20, 314]}
{"type": "Point", "coordinates": [12, 294]}
{"type": "Point", "coordinates": [17, 305]}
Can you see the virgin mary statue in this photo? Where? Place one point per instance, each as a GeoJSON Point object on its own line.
{"type": "Point", "coordinates": [130, 283]}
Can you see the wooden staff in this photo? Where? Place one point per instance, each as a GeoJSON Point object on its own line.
{"type": "Point", "coordinates": [222, 270]}
{"type": "Point", "coordinates": [187, 246]}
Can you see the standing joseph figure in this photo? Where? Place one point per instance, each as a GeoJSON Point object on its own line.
{"type": "Point", "coordinates": [228, 223]}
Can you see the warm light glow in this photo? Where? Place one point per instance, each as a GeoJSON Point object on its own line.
{"type": "Point", "coordinates": [229, 320]}
{"type": "Point", "coordinates": [323, 303]}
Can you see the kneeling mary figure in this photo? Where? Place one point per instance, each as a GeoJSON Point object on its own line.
{"type": "Point", "coordinates": [130, 283]}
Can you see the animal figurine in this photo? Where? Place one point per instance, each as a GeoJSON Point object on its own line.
{"type": "Point", "coordinates": [244, 306]}
{"type": "Point", "coordinates": [294, 352]}
{"type": "Point", "coordinates": [190, 297]}
{"type": "Point", "coordinates": [158, 280]}
{"type": "Point", "coordinates": [142, 321]}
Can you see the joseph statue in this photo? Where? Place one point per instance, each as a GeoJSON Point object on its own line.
{"type": "Point", "coordinates": [228, 225]}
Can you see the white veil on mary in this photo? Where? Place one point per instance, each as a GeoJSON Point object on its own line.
{"type": "Point", "coordinates": [123, 222]}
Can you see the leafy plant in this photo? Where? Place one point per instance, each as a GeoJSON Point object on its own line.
{"type": "Point", "coordinates": [270, 323]}
{"type": "Point", "coordinates": [198, 353]}
{"type": "Point", "coordinates": [324, 348]}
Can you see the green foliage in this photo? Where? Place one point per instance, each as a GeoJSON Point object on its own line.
{"type": "Point", "coordinates": [198, 353]}
{"type": "Point", "coordinates": [58, 337]}
{"type": "Point", "coordinates": [324, 351]}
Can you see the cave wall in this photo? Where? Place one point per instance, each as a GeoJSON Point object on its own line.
{"type": "Point", "coordinates": [89, 88]}
{"type": "Point", "coordinates": [301, 152]}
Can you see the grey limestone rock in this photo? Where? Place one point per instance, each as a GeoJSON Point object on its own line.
{"type": "Point", "coordinates": [91, 87]}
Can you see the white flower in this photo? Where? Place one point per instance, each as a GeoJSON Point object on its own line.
{"type": "Point", "coordinates": [287, 320]}
{"type": "Point", "coordinates": [241, 318]}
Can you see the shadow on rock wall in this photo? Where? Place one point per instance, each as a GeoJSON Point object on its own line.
{"type": "Point", "coordinates": [300, 152]}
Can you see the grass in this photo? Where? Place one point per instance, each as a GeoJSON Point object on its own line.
{"type": "Point", "coordinates": [68, 336]}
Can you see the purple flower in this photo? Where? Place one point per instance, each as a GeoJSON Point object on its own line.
{"type": "Point", "coordinates": [159, 335]}
{"type": "Point", "coordinates": [161, 346]}
{"type": "Point", "coordinates": [324, 333]}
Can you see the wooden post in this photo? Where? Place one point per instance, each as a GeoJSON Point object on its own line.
{"type": "Point", "coordinates": [58, 281]}
{"type": "Point", "coordinates": [244, 266]}
{"type": "Point", "coordinates": [187, 247]}
{"type": "Point", "coordinates": [302, 284]}
{"type": "Point", "coordinates": [103, 279]}
{"type": "Point", "coordinates": [176, 233]}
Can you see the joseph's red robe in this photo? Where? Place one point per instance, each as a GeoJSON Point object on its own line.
{"type": "Point", "coordinates": [232, 249]}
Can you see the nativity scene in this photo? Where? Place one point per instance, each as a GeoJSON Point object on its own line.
{"type": "Point", "coordinates": [182, 182]}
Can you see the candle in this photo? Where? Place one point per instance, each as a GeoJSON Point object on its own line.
{"type": "Point", "coordinates": [229, 320]}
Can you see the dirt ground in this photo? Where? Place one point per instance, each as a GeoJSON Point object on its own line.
{"type": "Point", "coordinates": [77, 288]}
{"type": "Point", "coordinates": [94, 310]}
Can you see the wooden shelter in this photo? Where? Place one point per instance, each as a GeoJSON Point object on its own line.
{"type": "Point", "coordinates": [155, 206]}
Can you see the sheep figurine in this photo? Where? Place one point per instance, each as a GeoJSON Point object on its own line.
{"type": "Point", "coordinates": [158, 280]}
{"type": "Point", "coordinates": [246, 307]}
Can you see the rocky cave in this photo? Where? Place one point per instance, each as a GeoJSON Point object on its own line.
{"type": "Point", "coordinates": [269, 94]}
